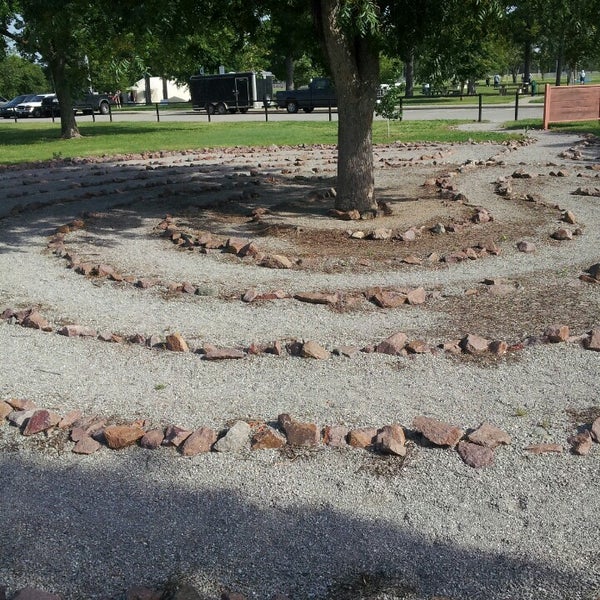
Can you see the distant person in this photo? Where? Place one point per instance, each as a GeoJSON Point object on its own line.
{"type": "Point", "coordinates": [487, 81]}
{"type": "Point", "coordinates": [496, 80]}
{"type": "Point", "coordinates": [582, 76]}
{"type": "Point", "coordinates": [117, 98]}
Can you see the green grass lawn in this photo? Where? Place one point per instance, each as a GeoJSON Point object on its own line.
{"type": "Point", "coordinates": [25, 142]}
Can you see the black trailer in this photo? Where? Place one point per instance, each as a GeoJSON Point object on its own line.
{"type": "Point", "coordinates": [231, 92]}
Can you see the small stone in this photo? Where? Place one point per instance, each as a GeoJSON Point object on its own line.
{"type": "Point", "coordinates": [299, 433]}
{"type": "Point", "coordinates": [250, 295]}
{"type": "Point", "coordinates": [86, 445]}
{"type": "Point", "coordinates": [489, 436]}
{"type": "Point", "coordinates": [592, 342]}
{"type": "Point", "coordinates": [267, 438]}
{"type": "Point", "coordinates": [336, 436]}
{"type": "Point", "coordinates": [236, 439]}
{"type": "Point", "coordinates": [595, 430]}
{"type": "Point", "coordinates": [581, 443]}
{"type": "Point", "coordinates": [363, 437]}
{"type": "Point", "coordinates": [381, 233]}
{"type": "Point", "coordinates": [176, 343]}
{"type": "Point", "coordinates": [418, 347]}
{"type": "Point", "coordinates": [557, 333]}
{"type": "Point", "coordinates": [525, 246]}
{"type": "Point", "coordinates": [152, 439]}
{"type": "Point", "coordinates": [213, 353]}
{"type": "Point", "coordinates": [175, 436]}
{"type": "Point", "coordinates": [474, 344]}
{"type": "Point", "coordinates": [5, 410]}
{"type": "Point", "coordinates": [569, 217]}
{"type": "Point", "coordinates": [412, 260]}
{"type": "Point", "coordinates": [276, 261]}
{"type": "Point", "coordinates": [21, 404]}
{"type": "Point", "coordinates": [438, 432]}
{"type": "Point", "coordinates": [347, 351]}
{"type": "Point", "coordinates": [498, 347]}
{"type": "Point", "coordinates": [386, 299]}
{"type": "Point", "coordinates": [122, 436]}
{"type": "Point", "coordinates": [77, 331]}
{"type": "Point", "coordinates": [416, 296]}
{"type": "Point", "coordinates": [544, 448]}
{"type": "Point", "coordinates": [317, 297]}
{"type": "Point", "coordinates": [199, 441]}
{"type": "Point", "coordinates": [34, 320]}
{"type": "Point", "coordinates": [41, 420]}
{"type": "Point", "coordinates": [562, 234]}
{"type": "Point", "coordinates": [69, 419]}
{"type": "Point", "coordinates": [474, 455]}
{"type": "Point", "coordinates": [236, 245]}
{"type": "Point", "coordinates": [311, 349]}
{"type": "Point", "coordinates": [393, 345]}
{"type": "Point", "coordinates": [594, 271]}
{"type": "Point", "coordinates": [391, 440]}
{"type": "Point", "coordinates": [18, 418]}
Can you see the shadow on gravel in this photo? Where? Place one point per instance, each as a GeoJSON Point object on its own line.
{"type": "Point", "coordinates": [97, 526]}
{"type": "Point", "coordinates": [44, 197]}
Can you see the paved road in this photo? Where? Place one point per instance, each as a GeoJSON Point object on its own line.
{"type": "Point", "coordinates": [490, 113]}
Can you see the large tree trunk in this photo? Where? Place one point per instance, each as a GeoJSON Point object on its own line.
{"type": "Point", "coordinates": [147, 89]}
{"type": "Point", "coordinates": [409, 73]}
{"type": "Point", "coordinates": [354, 64]}
{"type": "Point", "coordinates": [68, 125]}
{"type": "Point", "coordinates": [289, 72]}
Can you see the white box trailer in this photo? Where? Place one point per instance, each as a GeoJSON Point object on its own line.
{"type": "Point", "coordinates": [231, 92]}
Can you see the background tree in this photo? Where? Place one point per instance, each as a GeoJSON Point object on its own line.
{"type": "Point", "coordinates": [20, 76]}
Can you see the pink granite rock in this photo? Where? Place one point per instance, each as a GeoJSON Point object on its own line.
{"type": "Point", "coordinates": [438, 432]}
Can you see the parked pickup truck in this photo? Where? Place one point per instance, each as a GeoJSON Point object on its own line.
{"type": "Point", "coordinates": [319, 93]}
{"type": "Point", "coordinates": [93, 102]}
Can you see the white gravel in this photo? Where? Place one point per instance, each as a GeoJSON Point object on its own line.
{"type": "Point", "coordinates": [260, 523]}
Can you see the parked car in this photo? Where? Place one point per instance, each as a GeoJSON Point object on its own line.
{"type": "Point", "coordinates": [3, 101]}
{"type": "Point", "coordinates": [50, 106]}
{"type": "Point", "coordinates": [319, 93]}
{"type": "Point", "coordinates": [8, 110]}
{"type": "Point", "coordinates": [31, 108]}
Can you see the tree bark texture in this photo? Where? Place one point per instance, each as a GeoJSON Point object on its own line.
{"type": "Point", "coordinates": [68, 124]}
{"type": "Point", "coordinates": [354, 63]}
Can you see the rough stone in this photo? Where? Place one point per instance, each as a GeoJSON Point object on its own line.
{"type": "Point", "coordinates": [70, 418]}
{"type": "Point", "coordinates": [581, 443]}
{"type": "Point", "coordinates": [347, 351]}
{"type": "Point", "coordinates": [35, 320]}
{"type": "Point", "coordinates": [544, 448]}
{"type": "Point", "coordinates": [22, 404]}
{"type": "Point", "coordinates": [391, 440]}
{"type": "Point", "coordinates": [416, 296]}
{"type": "Point", "coordinates": [5, 410]}
{"type": "Point", "coordinates": [525, 246]}
{"type": "Point", "coordinates": [236, 439]}
{"type": "Point", "coordinates": [595, 430]}
{"type": "Point", "coordinates": [311, 349]}
{"type": "Point", "coordinates": [41, 420]}
{"type": "Point", "coordinates": [363, 437]}
{"type": "Point", "coordinates": [569, 217]}
{"type": "Point", "coordinates": [267, 438]}
{"type": "Point", "coordinates": [498, 347]}
{"type": "Point", "coordinates": [489, 436]}
{"type": "Point", "coordinates": [152, 439]}
{"type": "Point", "coordinates": [317, 297]}
{"type": "Point", "coordinates": [474, 344]}
{"type": "Point", "coordinates": [176, 343]}
{"type": "Point", "coordinates": [236, 245]}
{"type": "Point", "coordinates": [299, 433]}
{"type": "Point", "coordinates": [418, 347]}
{"type": "Point", "coordinates": [592, 342]}
{"type": "Point", "coordinates": [594, 271]}
{"type": "Point", "coordinates": [122, 436]}
{"type": "Point", "coordinates": [200, 441]}
{"type": "Point", "coordinates": [336, 436]}
{"type": "Point", "coordinates": [213, 353]}
{"type": "Point", "coordinates": [438, 432]}
{"type": "Point", "coordinates": [474, 455]}
{"type": "Point", "coordinates": [250, 295]}
{"type": "Point", "coordinates": [19, 417]}
{"type": "Point", "coordinates": [175, 436]}
{"type": "Point", "coordinates": [387, 299]}
{"type": "Point", "coordinates": [393, 345]}
{"type": "Point", "coordinates": [77, 331]}
{"type": "Point", "coordinates": [557, 333]}
{"type": "Point", "coordinates": [86, 445]}
{"type": "Point", "coordinates": [381, 233]}
{"type": "Point", "coordinates": [562, 234]}
{"type": "Point", "coordinates": [276, 261]}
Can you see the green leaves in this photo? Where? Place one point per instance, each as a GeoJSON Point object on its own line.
{"type": "Point", "coordinates": [360, 17]}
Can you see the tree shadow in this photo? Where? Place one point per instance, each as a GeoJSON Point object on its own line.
{"type": "Point", "coordinates": [93, 527]}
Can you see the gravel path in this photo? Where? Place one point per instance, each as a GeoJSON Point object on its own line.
{"type": "Point", "coordinates": [312, 523]}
